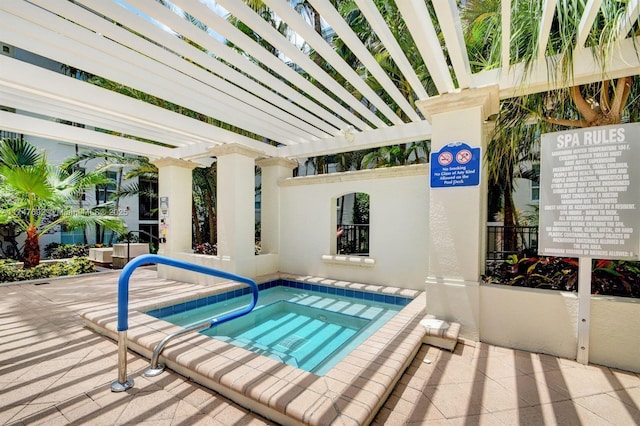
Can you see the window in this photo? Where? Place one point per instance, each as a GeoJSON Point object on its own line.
{"type": "Point", "coordinates": [352, 221]}
{"type": "Point", "coordinates": [535, 184]}
{"type": "Point", "coordinates": [147, 230]}
{"type": "Point", "coordinates": [106, 191]}
{"type": "Point", "coordinates": [148, 200]}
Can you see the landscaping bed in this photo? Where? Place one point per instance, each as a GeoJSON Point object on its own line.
{"type": "Point", "coordinates": [13, 271]}
{"type": "Point", "coordinates": [609, 277]}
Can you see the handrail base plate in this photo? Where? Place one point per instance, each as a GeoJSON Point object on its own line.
{"type": "Point", "coordinates": [153, 372]}
{"type": "Point", "coordinates": [121, 387]}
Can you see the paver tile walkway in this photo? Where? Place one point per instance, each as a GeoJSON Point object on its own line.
{"type": "Point", "coordinates": [54, 371]}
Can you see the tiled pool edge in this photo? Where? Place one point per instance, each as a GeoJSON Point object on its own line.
{"type": "Point", "coordinates": [350, 393]}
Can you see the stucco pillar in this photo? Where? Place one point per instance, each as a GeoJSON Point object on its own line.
{"type": "Point", "coordinates": [236, 205]}
{"type": "Point", "coordinates": [273, 170]}
{"type": "Point", "coordinates": [457, 213]}
{"type": "Point", "coordinates": [174, 183]}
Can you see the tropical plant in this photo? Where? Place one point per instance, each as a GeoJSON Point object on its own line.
{"type": "Point", "coordinates": [126, 167]}
{"type": "Point", "coordinates": [75, 266]}
{"type": "Point", "coordinates": [609, 277]}
{"type": "Point", "coordinates": [65, 251]}
{"type": "Point", "coordinates": [521, 120]}
{"type": "Point", "coordinates": [43, 196]}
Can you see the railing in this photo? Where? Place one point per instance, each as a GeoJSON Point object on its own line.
{"type": "Point", "coordinates": [503, 241]}
{"type": "Point", "coordinates": [353, 239]}
{"type": "Point", "coordinates": [11, 135]}
{"type": "Point", "coordinates": [123, 383]}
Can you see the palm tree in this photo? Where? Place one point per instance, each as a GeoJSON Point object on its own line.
{"type": "Point", "coordinates": [42, 195]}
{"type": "Point", "coordinates": [137, 167]}
{"type": "Point", "coordinates": [204, 201]}
{"type": "Point", "coordinates": [522, 120]}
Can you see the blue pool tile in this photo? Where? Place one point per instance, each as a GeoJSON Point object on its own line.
{"type": "Point", "coordinates": [340, 291]}
{"type": "Point", "coordinates": [164, 312]}
{"type": "Point", "coordinates": [389, 299]}
{"type": "Point", "coordinates": [307, 286]}
{"type": "Point", "coordinates": [153, 313]}
{"type": "Point", "coordinates": [322, 288]}
{"type": "Point", "coordinates": [192, 304]}
{"type": "Point", "coordinates": [202, 302]}
{"type": "Point", "coordinates": [212, 299]}
{"type": "Point", "coordinates": [315, 287]}
{"type": "Point", "coordinates": [179, 308]}
{"type": "Point", "coordinates": [378, 297]}
{"type": "Point", "coordinates": [368, 296]}
{"type": "Point", "coordinates": [331, 290]}
{"type": "Point", "coordinates": [348, 293]}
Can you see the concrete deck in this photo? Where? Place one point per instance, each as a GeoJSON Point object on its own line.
{"type": "Point", "coordinates": [54, 370]}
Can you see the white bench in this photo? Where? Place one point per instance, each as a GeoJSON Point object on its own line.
{"type": "Point", "coordinates": [440, 333]}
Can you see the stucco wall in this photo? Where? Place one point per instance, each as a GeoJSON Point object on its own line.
{"type": "Point", "coordinates": [398, 220]}
{"type": "Point", "coordinates": [534, 320]}
{"type": "Point", "coordinates": [614, 339]}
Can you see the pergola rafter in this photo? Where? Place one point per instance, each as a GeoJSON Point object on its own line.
{"type": "Point", "coordinates": [284, 105]}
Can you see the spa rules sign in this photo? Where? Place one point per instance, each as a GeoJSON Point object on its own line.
{"type": "Point", "coordinates": [590, 193]}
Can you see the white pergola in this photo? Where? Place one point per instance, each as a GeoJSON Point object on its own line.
{"type": "Point", "coordinates": [148, 50]}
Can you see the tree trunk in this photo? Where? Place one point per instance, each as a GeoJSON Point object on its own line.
{"type": "Point", "coordinates": [117, 206]}
{"type": "Point", "coordinates": [510, 234]}
{"type": "Point", "coordinates": [31, 248]}
{"type": "Point", "coordinates": [196, 223]}
{"type": "Point", "coordinates": [212, 222]}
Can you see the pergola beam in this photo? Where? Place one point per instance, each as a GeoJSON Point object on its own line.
{"type": "Point", "coordinates": [351, 40]}
{"type": "Point", "coordinates": [379, 26]}
{"type": "Point", "coordinates": [244, 13]}
{"type": "Point", "coordinates": [505, 18]}
{"type": "Point", "coordinates": [79, 99]}
{"type": "Point", "coordinates": [77, 135]}
{"type": "Point", "coordinates": [586, 22]}
{"type": "Point", "coordinates": [548, 11]}
{"type": "Point", "coordinates": [334, 113]}
{"type": "Point", "coordinates": [418, 20]}
{"type": "Point", "coordinates": [623, 61]}
{"type": "Point", "coordinates": [449, 20]}
{"type": "Point", "coordinates": [394, 135]}
{"type": "Point", "coordinates": [86, 50]}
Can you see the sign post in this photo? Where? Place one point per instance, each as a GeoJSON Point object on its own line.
{"type": "Point", "coordinates": [589, 193]}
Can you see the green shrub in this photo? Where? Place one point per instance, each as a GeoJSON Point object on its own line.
{"type": "Point", "coordinates": [75, 266]}
{"type": "Point", "coordinates": [65, 251]}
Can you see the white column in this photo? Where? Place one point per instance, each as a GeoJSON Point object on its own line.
{"type": "Point", "coordinates": [236, 205]}
{"type": "Point", "coordinates": [273, 170]}
{"type": "Point", "coordinates": [174, 182]}
{"type": "Point", "coordinates": [457, 215]}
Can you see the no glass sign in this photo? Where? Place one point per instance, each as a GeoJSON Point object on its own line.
{"type": "Point", "coordinates": [456, 164]}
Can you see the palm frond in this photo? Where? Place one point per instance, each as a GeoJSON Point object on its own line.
{"type": "Point", "coordinates": [18, 152]}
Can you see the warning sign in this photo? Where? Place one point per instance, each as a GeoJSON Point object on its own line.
{"type": "Point", "coordinates": [456, 164]}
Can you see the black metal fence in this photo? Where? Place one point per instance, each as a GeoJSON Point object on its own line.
{"type": "Point", "coordinates": [353, 239]}
{"type": "Point", "coordinates": [10, 135]}
{"type": "Point", "coordinates": [503, 241]}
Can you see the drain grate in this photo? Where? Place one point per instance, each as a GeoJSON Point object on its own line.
{"type": "Point", "coordinates": [291, 342]}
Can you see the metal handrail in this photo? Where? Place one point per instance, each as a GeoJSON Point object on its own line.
{"type": "Point", "coordinates": [123, 383]}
